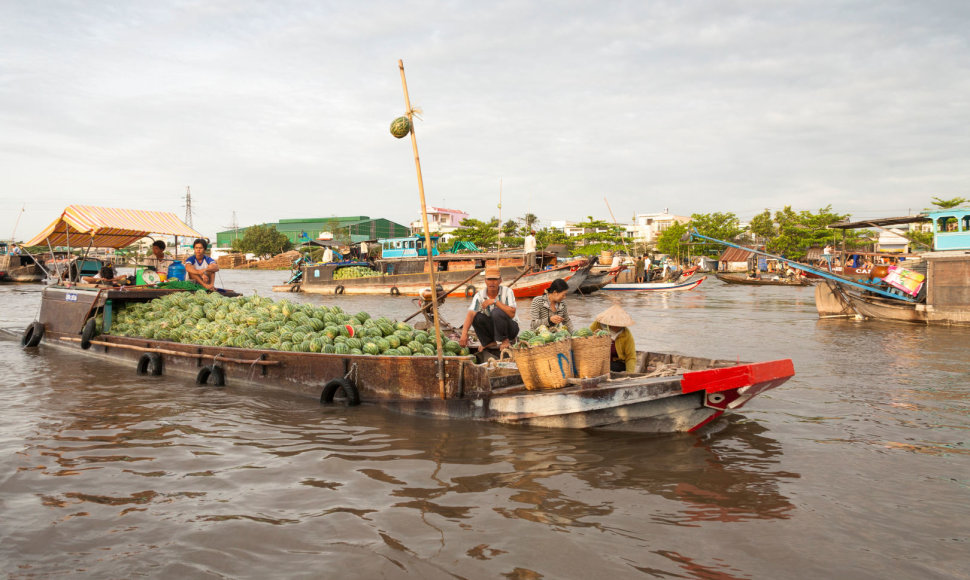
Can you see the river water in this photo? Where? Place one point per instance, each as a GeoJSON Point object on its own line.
{"type": "Point", "coordinates": [858, 467]}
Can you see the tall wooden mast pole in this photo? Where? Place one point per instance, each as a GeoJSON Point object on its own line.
{"type": "Point", "coordinates": [427, 237]}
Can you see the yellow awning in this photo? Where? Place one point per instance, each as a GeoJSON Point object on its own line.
{"type": "Point", "coordinates": [107, 227]}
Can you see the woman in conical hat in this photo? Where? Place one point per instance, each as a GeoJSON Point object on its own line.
{"type": "Point", "coordinates": [623, 352]}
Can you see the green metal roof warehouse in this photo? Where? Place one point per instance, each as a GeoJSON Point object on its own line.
{"type": "Point", "coordinates": [359, 227]}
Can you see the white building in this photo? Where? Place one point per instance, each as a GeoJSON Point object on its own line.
{"type": "Point", "coordinates": [892, 240]}
{"type": "Point", "coordinates": [647, 227]}
{"type": "Point", "coordinates": [572, 230]}
{"type": "Point", "coordinates": [440, 220]}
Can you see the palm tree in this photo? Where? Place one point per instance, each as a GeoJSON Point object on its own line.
{"type": "Point", "coordinates": [530, 220]}
{"type": "Point", "coordinates": [948, 203]}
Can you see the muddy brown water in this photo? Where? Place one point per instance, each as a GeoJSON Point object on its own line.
{"type": "Point", "coordinates": [858, 467]}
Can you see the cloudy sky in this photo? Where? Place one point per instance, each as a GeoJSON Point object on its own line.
{"type": "Point", "coordinates": [281, 109]}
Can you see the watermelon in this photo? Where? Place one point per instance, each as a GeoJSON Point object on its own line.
{"type": "Point", "coordinates": [405, 351]}
{"type": "Point", "coordinates": [371, 348]}
{"type": "Point", "coordinates": [400, 127]}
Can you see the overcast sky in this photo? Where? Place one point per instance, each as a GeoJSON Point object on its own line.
{"type": "Point", "coordinates": [281, 109]}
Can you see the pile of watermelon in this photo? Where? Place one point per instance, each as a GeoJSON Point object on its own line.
{"type": "Point", "coordinates": [354, 272]}
{"type": "Point", "coordinates": [260, 323]}
{"type": "Point", "coordinates": [542, 336]}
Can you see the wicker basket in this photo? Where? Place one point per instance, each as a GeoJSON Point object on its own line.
{"type": "Point", "coordinates": [591, 356]}
{"type": "Point", "coordinates": [545, 367]}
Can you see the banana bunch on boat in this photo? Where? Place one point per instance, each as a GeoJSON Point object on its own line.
{"type": "Point", "coordinates": [543, 335]}
{"type": "Point", "coordinates": [353, 272]}
{"type": "Point", "coordinates": [255, 322]}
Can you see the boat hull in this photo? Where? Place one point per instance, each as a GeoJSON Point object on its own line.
{"type": "Point", "coordinates": [743, 280]}
{"type": "Point", "coordinates": [656, 286]}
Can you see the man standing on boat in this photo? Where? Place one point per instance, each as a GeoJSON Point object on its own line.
{"type": "Point", "coordinates": [492, 314]}
{"type": "Point", "coordinates": [530, 250]}
{"type": "Point", "coordinates": [201, 268]}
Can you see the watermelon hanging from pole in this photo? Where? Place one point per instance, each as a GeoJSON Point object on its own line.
{"type": "Point", "coordinates": [400, 127]}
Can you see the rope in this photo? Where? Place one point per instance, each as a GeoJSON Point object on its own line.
{"type": "Point", "coordinates": [352, 372]}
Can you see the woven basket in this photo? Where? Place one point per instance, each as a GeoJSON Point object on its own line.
{"type": "Point", "coordinates": [591, 356]}
{"type": "Point", "coordinates": [545, 367]}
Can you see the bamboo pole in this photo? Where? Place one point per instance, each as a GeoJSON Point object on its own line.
{"type": "Point", "coordinates": [617, 225]}
{"type": "Point", "coordinates": [498, 256]}
{"type": "Point", "coordinates": [427, 237]}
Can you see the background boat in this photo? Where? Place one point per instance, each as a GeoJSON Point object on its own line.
{"type": "Point", "coordinates": [657, 286]}
{"type": "Point", "coordinates": [743, 279]}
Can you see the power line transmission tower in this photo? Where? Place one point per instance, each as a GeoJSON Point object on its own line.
{"type": "Point", "coordinates": [188, 207]}
{"type": "Point", "coordinates": [234, 226]}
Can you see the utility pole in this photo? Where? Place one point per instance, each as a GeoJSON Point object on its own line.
{"type": "Point", "coordinates": [188, 207]}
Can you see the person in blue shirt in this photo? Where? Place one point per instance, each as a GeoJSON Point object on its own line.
{"type": "Point", "coordinates": [201, 268]}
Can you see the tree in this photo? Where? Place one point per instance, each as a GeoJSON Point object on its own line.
{"type": "Point", "coordinates": [482, 234]}
{"type": "Point", "coordinates": [262, 240]}
{"type": "Point", "coordinates": [612, 235]}
{"type": "Point", "coordinates": [762, 226]}
{"type": "Point", "coordinates": [949, 203]}
{"type": "Point", "coordinates": [547, 236]}
{"type": "Point", "coordinates": [670, 242]}
{"type": "Point", "coordinates": [798, 231]}
{"type": "Point", "coordinates": [720, 226]}
{"type": "Point", "coordinates": [529, 223]}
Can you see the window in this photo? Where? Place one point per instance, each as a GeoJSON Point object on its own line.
{"type": "Point", "coordinates": [946, 224]}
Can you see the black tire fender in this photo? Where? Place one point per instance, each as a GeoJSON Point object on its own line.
{"type": "Point", "coordinates": [351, 394]}
{"type": "Point", "coordinates": [87, 333]}
{"type": "Point", "coordinates": [469, 291]}
{"type": "Point", "coordinates": [150, 363]}
{"type": "Point", "coordinates": [395, 291]}
{"type": "Point", "coordinates": [32, 335]}
{"type": "Point", "coordinates": [338, 290]}
{"type": "Point", "coordinates": [213, 374]}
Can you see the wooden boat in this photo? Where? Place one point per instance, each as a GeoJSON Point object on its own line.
{"type": "Point", "coordinates": [460, 277]}
{"type": "Point", "coordinates": [536, 283]}
{"type": "Point", "coordinates": [743, 279]}
{"type": "Point", "coordinates": [20, 268]}
{"type": "Point", "coordinates": [656, 286]}
{"type": "Point", "coordinates": [596, 282]}
{"type": "Point", "coordinates": [403, 270]}
{"type": "Point", "coordinates": [670, 392]}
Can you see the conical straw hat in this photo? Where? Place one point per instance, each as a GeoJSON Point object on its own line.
{"type": "Point", "coordinates": [614, 316]}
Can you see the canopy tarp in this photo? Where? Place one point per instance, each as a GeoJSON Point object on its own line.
{"type": "Point", "coordinates": [464, 246]}
{"type": "Point", "coordinates": [107, 227]}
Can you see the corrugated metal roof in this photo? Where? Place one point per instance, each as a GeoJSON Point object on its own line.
{"type": "Point", "coordinates": [735, 255]}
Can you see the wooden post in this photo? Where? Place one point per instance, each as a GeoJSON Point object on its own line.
{"type": "Point", "coordinates": [427, 237]}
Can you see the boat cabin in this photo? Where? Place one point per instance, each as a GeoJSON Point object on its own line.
{"type": "Point", "coordinates": [409, 247]}
{"type": "Point", "coordinates": [951, 228]}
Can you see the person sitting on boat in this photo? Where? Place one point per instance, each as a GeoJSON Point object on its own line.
{"type": "Point", "coordinates": [492, 314]}
{"type": "Point", "coordinates": [549, 310]}
{"type": "Point", "coordinates": [327, 255]}
{"type": "Point", "coordinates": [106, 275]}
{"type": "Point", "coordinates": [623, 351]}
{"type": "Point", "coordinates": [158, 261]}
{"type": "Point", "coordinates": [200, 268]}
